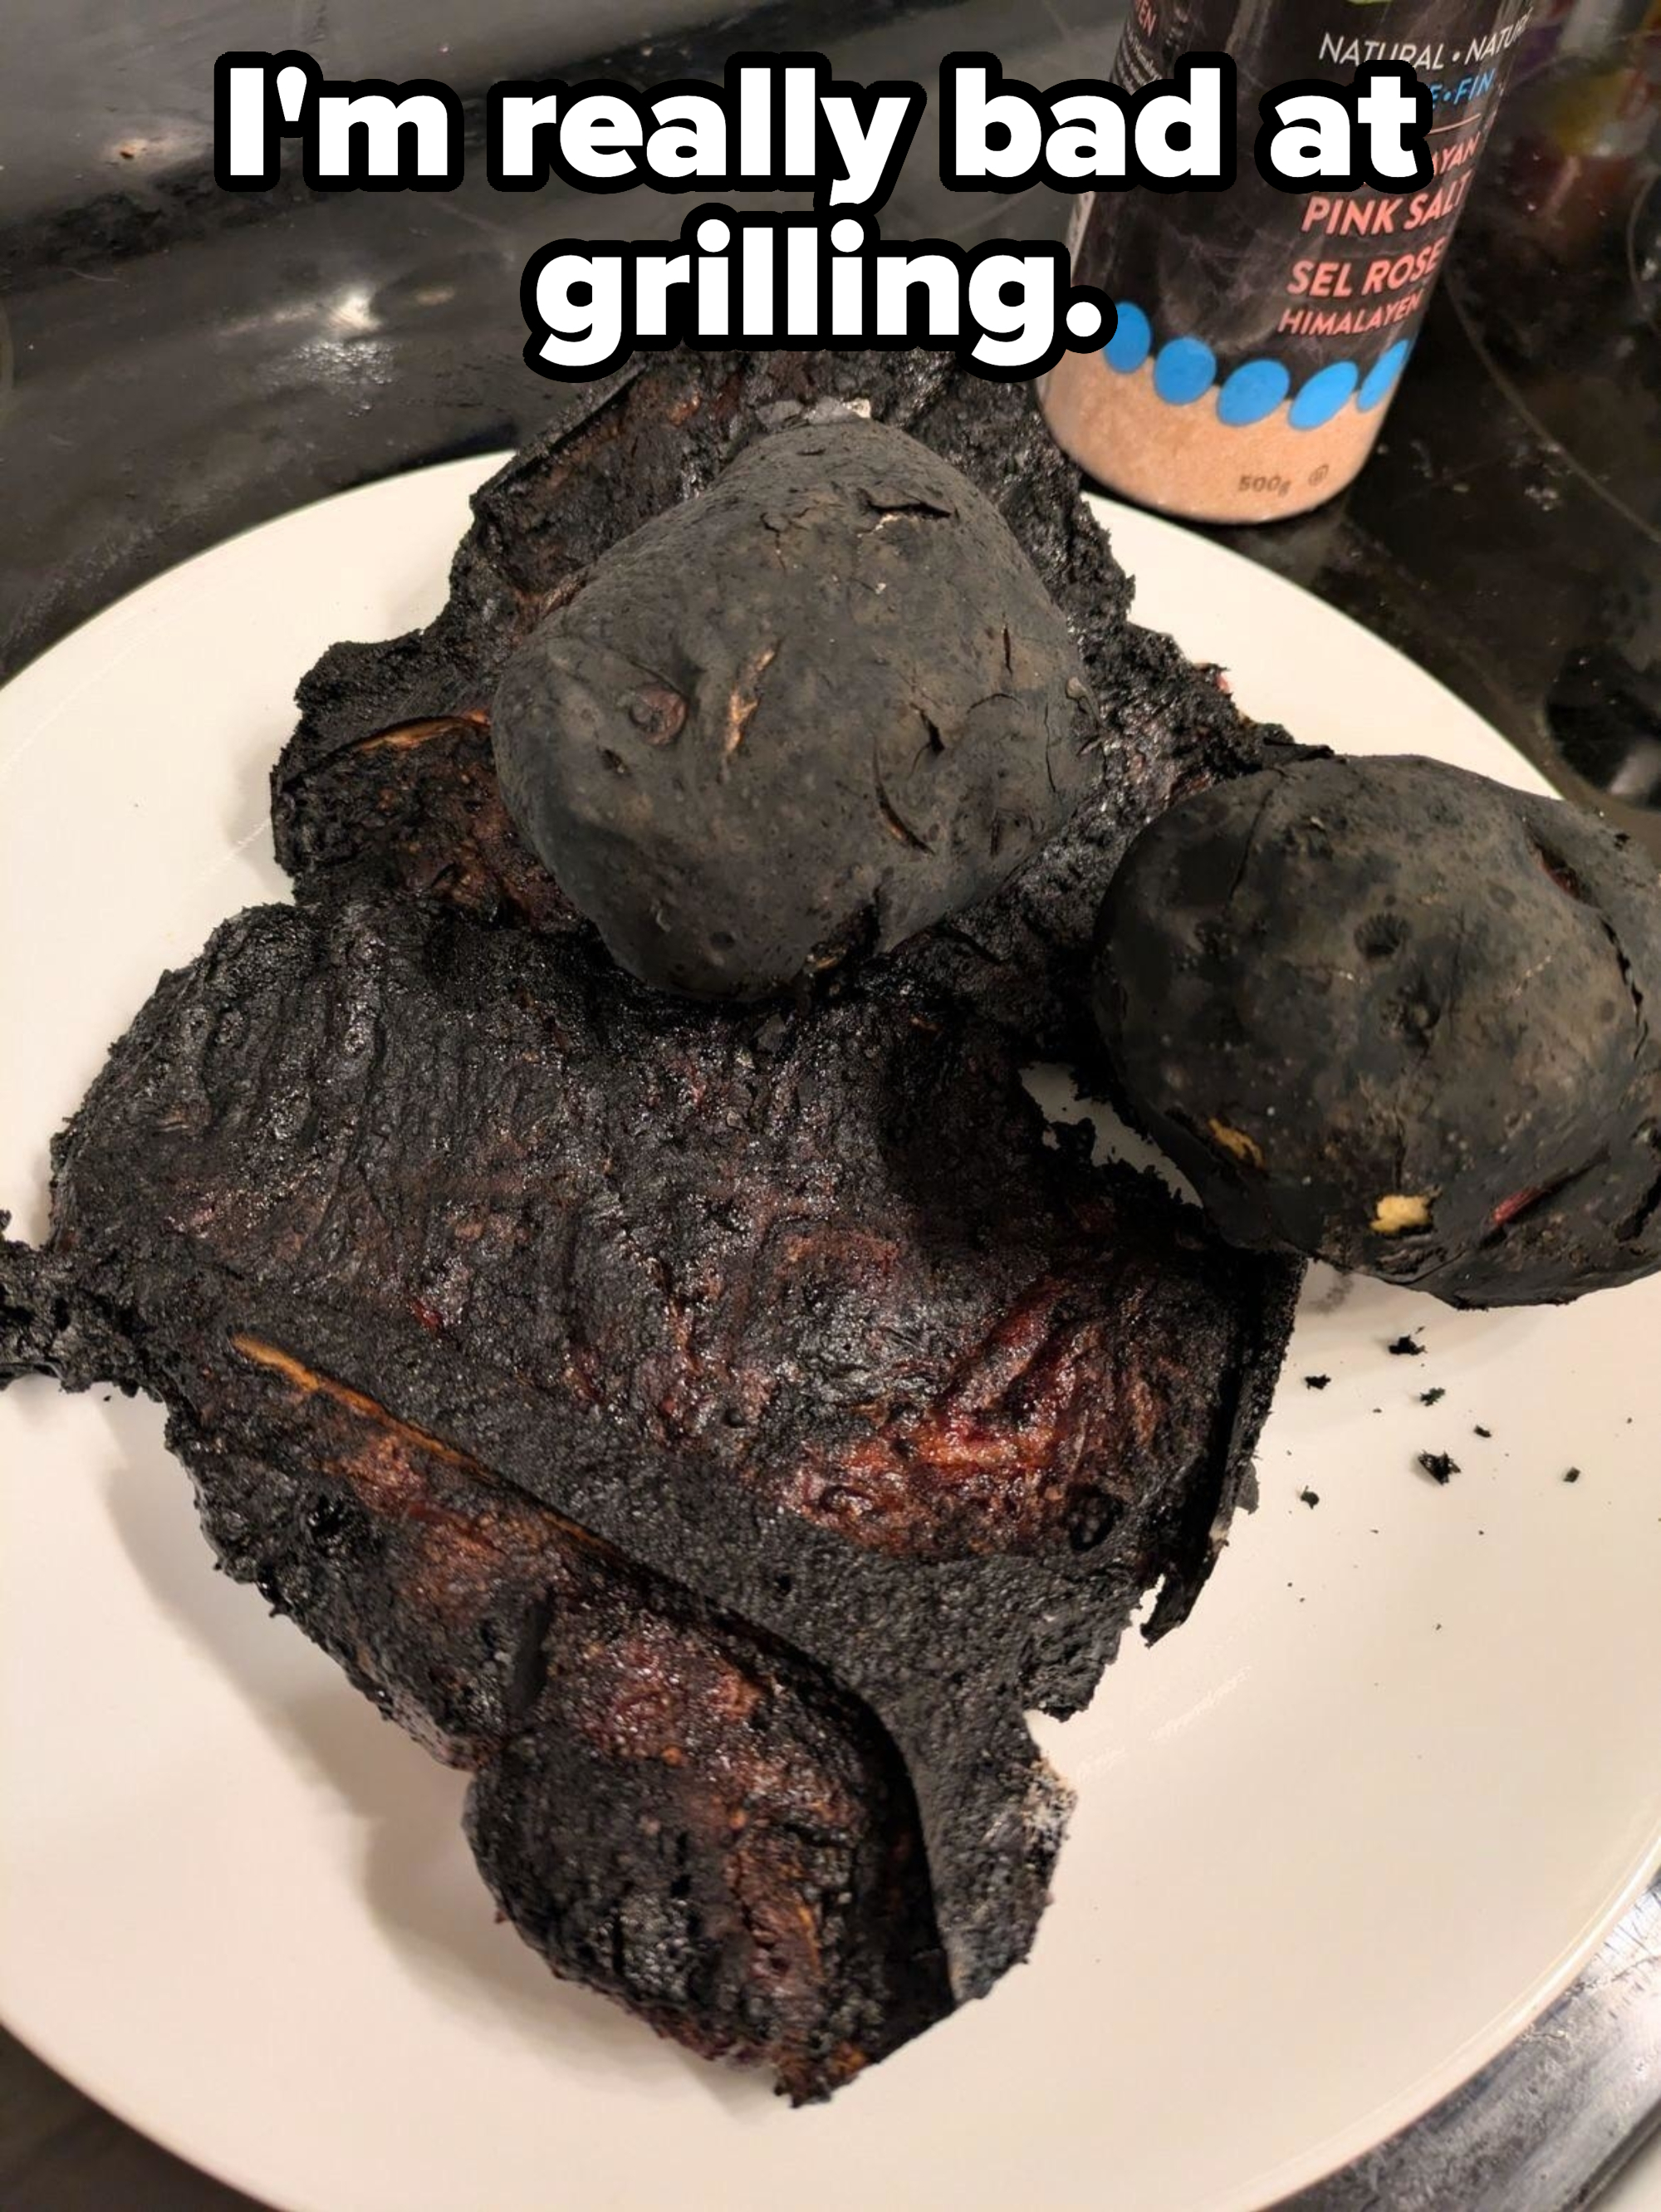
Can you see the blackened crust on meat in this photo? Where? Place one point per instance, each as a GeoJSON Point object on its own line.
{"type": "Point", "coordinates": [456, 1259]}
{"type": "Point", "coordinates": [707, 1827]}
{"type": "Point", "coordinates": [50, 1325]}
{"type": "Point", "coordinates": [387, 782]}
{"type": "Point", "coordinates": [671, 1807]}
{"type": "Point", "coordinates": [712, 1432]}
{"type": "Point", "coordinates": [825, 1257]}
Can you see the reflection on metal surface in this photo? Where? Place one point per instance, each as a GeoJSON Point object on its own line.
{"type": "Point", "coordinates": [1557, 279]}
{"type": "Point", "coordinates": [1644, 250]}
{"type": "Point", "coordinates": [1558, 291]}
{"type": "Point", "coordinates": [352, 311]}
{"type": "Point", "coordinates": [1605, 708]}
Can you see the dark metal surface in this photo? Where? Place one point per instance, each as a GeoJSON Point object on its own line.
{"type": "Point", "coordinates": [175, 365]}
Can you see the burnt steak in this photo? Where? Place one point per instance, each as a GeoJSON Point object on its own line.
{"type": "Point", "coordinates": [713, 1430]}
{"type": "Point", "coordinates": [388, 781]}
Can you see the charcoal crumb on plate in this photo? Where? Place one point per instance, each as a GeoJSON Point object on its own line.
{"type": "Point", "coordinates": [1439, 1465]}
{"type": "Point", "coordinates": [1479, 1430]}
{"type": "Point", "coordinates": [1316, 1381]}
{"type": "Point", "coordinates": [1405, 1347]}
{"type": "Point", "coordinates": [1432, 1397]}
{"type": "Point", "coordinates": [1572, 1474]}
{"type": "Point", "coordinates": [1310, 1496]}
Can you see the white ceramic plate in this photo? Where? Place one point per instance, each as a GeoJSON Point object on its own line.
{"type": "Point", "coordinates": [1335, 1841]}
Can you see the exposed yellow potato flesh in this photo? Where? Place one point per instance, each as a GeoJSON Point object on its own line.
{"type": "Point", "coordinates": [1235, 1142]}
{"type": "Point", "coordinates": [1398, 1211]}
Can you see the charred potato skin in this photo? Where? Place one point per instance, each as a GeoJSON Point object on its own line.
{"type": "Point", "coordinates": [388, 784]}
{"type": "Point", "coordinates": [799, 719]}
{"type": "Point", "coordinates": [1396, 1016]}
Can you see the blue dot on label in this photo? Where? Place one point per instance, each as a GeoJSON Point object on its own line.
{"type": "Point", "coordinates": [1184, 370]}
{"type": "Point", "coordinates": [1377, 383]}
{"type": "Point", "coordinates": [1255, 389]}
{"type": "Point", "coordinates": [1127, 348]}
{"type": "Point", "coordinates": [1325, 393]}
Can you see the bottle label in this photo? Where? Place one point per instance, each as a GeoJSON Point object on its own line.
{"type": "Point", "coordinates": [1292, 306]}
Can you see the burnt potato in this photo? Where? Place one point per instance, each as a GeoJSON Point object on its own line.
{"type": "Point", "coordinates": [796, 718]}
{"type": "Point", "coordinates": [1394, 1016]}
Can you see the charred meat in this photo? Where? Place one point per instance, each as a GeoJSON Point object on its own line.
{"type": "Point", "coordinates": [712, 1429]}
{"type": "Point", "coordinates": [712, 1426]}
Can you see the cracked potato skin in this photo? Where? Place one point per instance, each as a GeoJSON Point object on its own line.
{"type": "Point", "coordinates": [799, 719]}
{"type": "Point", "coordinates": [1395, 1016]}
